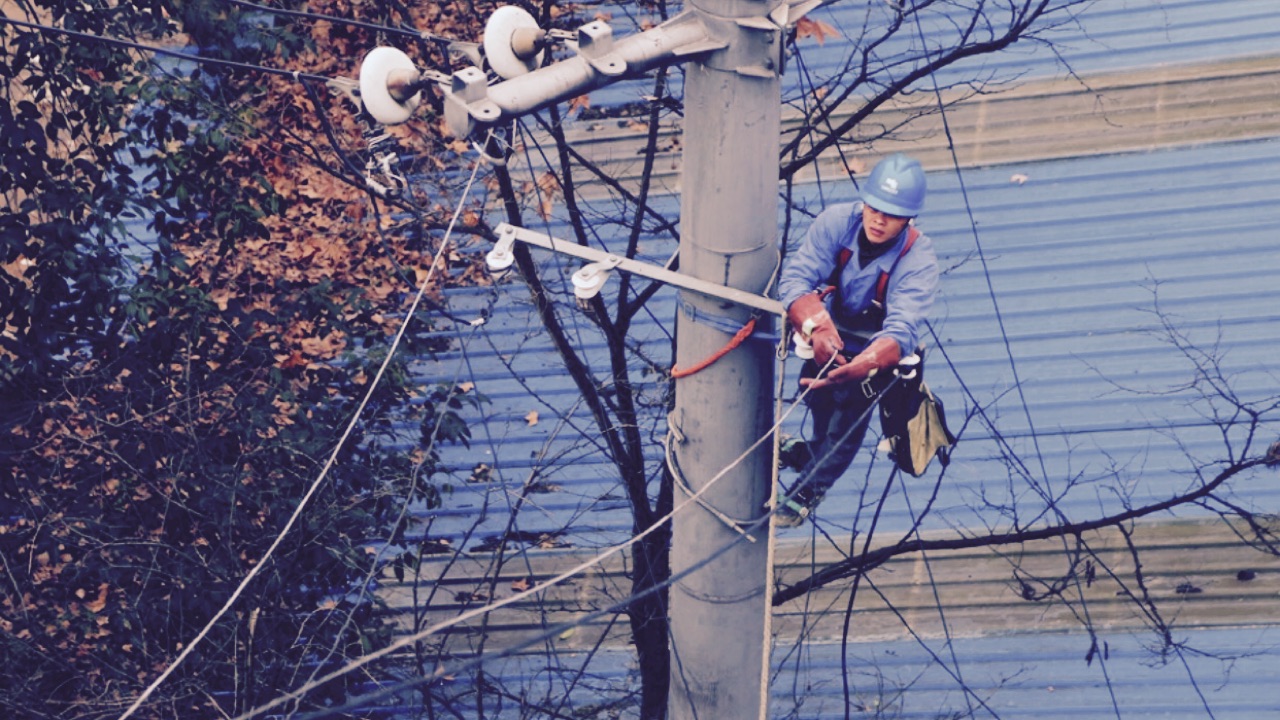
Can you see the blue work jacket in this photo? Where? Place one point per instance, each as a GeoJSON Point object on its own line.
{"type": "Point", "coordinates": [912, 287]}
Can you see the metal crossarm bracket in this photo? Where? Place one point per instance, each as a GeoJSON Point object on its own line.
{"type": "Point", "coordinates": [508, 233]}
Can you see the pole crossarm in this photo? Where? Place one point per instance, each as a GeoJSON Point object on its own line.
{"type": "Point", "coordinates": [600, 60]}
{"type": "Point", "coordinates": [507, 234]}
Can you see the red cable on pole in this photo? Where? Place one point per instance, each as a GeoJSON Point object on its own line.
{"type": "Point", "coordinates": [750, 327]}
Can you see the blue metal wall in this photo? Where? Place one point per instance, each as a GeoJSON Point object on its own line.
{"type": "Point", "coordinates": [1058, 301]}
{"type": "Point", "coordinates": [1111, 35]}
{"type": "Point", "coordinates": [1059, 282]}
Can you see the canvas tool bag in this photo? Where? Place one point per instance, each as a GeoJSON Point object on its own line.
{"type": "Point", "coordinates": [914, 423]}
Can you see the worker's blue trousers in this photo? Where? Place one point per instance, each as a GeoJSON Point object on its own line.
{"type": "Point", "coordinates": [840, 417]}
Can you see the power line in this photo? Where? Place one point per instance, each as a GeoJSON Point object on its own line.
{"type": "Point", "coordinates": [1045, 493]}
{"type": "Point", "coordinates": [539, 588]}
{"type": "Point", "coordinates": [294, 74]}
{"type": "Point", "coordinates": [333, 457]}
{"type": "Point", "coordinates": [404, 32]}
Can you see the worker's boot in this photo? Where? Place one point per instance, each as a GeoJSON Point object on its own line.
{"type": "Point", "coordinates": [790, 511]}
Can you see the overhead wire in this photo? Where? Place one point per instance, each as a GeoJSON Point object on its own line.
{"type": "Point", "coordinates": [775, 476]}
{"type": "Point", "coordinates": [315, 485]}
{"type": "Point", "coordinates": [969, 693]}
{"type": "Point", "coordinates": [375, 565]}
{"type": "Point", "coordinates": [514, 509]}
{"type": "Point", "coordinates": [297, 76]}
{"type": "Point", "coordinates": [553, 581]}
{"type": "Point", "coordinates": [375, 27]}
{"type": "Point", "coordinates": [155, 50]}
{"type": "Point", "coordinates": [1046, 495]}
{"type": "Point", "coordinates": [957, 672]}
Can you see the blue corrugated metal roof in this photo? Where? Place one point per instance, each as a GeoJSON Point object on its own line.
{"type": "Point", "coordinates": [1075, 258]}
{"type": "Point", "coordinates": [1040, 676]}
{"type": "Point", "coordinates": [1099, 37]}
{"type": "Point", "coordinates": [1021, 677]}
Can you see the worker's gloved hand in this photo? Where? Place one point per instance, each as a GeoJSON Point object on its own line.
{"type": "Point", "coordinates": [827, 343]}
{"type": "Point", "coordinates": [808, 314]}
{"type": "Point", "coordinates": [882, 354]}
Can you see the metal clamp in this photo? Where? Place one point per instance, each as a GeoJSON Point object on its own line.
{"type": "Point", "coordinates": [653, 272]}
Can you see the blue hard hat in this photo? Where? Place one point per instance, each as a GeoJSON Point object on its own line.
{"type": "Point", "coordinates": [896, 186]}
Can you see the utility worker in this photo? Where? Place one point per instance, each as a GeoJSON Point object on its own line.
{"type": "Point", "coordinates": [856, 337]}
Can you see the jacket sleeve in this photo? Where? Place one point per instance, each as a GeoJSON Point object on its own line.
{"type": "Point", "coordinates": [810, 265]}
{"type": "Point", "coordinates": [913, 286]}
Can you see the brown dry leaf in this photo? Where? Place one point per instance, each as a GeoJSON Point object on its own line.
{"type": "Point", "coordinates": [465, 386]}
{"type": "Point", "coordinates": [531, 418]}
{"type": "Point", "coordinates": [582, 102]}
{"type": "Point", "coordinates": [820, 93]}
{"type": "Point", "coordinates": [548, 191]}
{"type": "Point", "coordinates": [101, 601]}
{"type": "Point", "coordinates": [808, 27]}
{"type": "Point", "coordinates": [549, 542]}
{"type": "Point", "coordinates": [521, 585]}
{"type": "Point", "coordinates": [549, 184]}
{"type": "Point", "coordinates": [293, 360]}
{"type": "Point", "coordinates": [327, 346]}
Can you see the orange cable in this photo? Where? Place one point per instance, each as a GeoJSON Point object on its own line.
{"type": "Point", "coordinates": [750, 327]}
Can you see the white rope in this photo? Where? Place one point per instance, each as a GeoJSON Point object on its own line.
{"type": "Point", "coordinates": [315, 486]}
{"type": "Point", "coordinates": [552, 582]}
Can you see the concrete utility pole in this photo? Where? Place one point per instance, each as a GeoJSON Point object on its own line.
{"type": "Point", "coordinates": [719, 612]}
{"type": "Point", "coordinates": [728, 229]}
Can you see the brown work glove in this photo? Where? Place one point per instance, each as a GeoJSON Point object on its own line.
{"type": "Point", "coordinates": [808, 314]}
{"type": "Point", "coordinates": [880, 355]}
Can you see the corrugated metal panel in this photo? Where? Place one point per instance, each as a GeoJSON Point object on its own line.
{"type": "Point", "coordinates": [1072, 255]}
{"type": "Point", "coordinates": [1038, 676]}
{"type": "Point", "coordinates": [1023, 677]}
{"type": "Point", "coordinates": [1075, 257]}
{"type": "Point", "coordinates": [1099, 37]}
{"type": "Point", "coordinates": [1018, 656]}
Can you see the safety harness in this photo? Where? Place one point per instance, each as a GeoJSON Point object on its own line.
{"type": "Point", "coordinates": [912, 419]}
{"type": "Point", "coordinates": [882, 283]}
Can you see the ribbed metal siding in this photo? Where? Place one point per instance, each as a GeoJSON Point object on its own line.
{"type": "Point", "coordinates": [1017, 677]}
{"type": "Point", "coordinates": [1072, 256]}
{"type": "Point", "coordinates": [1109, 36]}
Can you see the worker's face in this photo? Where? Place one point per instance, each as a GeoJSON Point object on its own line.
{"type": "Point", "coordinates": [881, 227]}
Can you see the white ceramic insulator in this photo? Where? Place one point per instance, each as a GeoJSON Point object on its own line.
{"type": "Point", "coordinates": [375, 72]}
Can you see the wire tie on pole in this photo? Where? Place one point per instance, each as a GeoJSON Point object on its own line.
{"type": "Point", "coordinates": [738, 526]}
{"type": "Point", "coordinates": [673, 428]}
